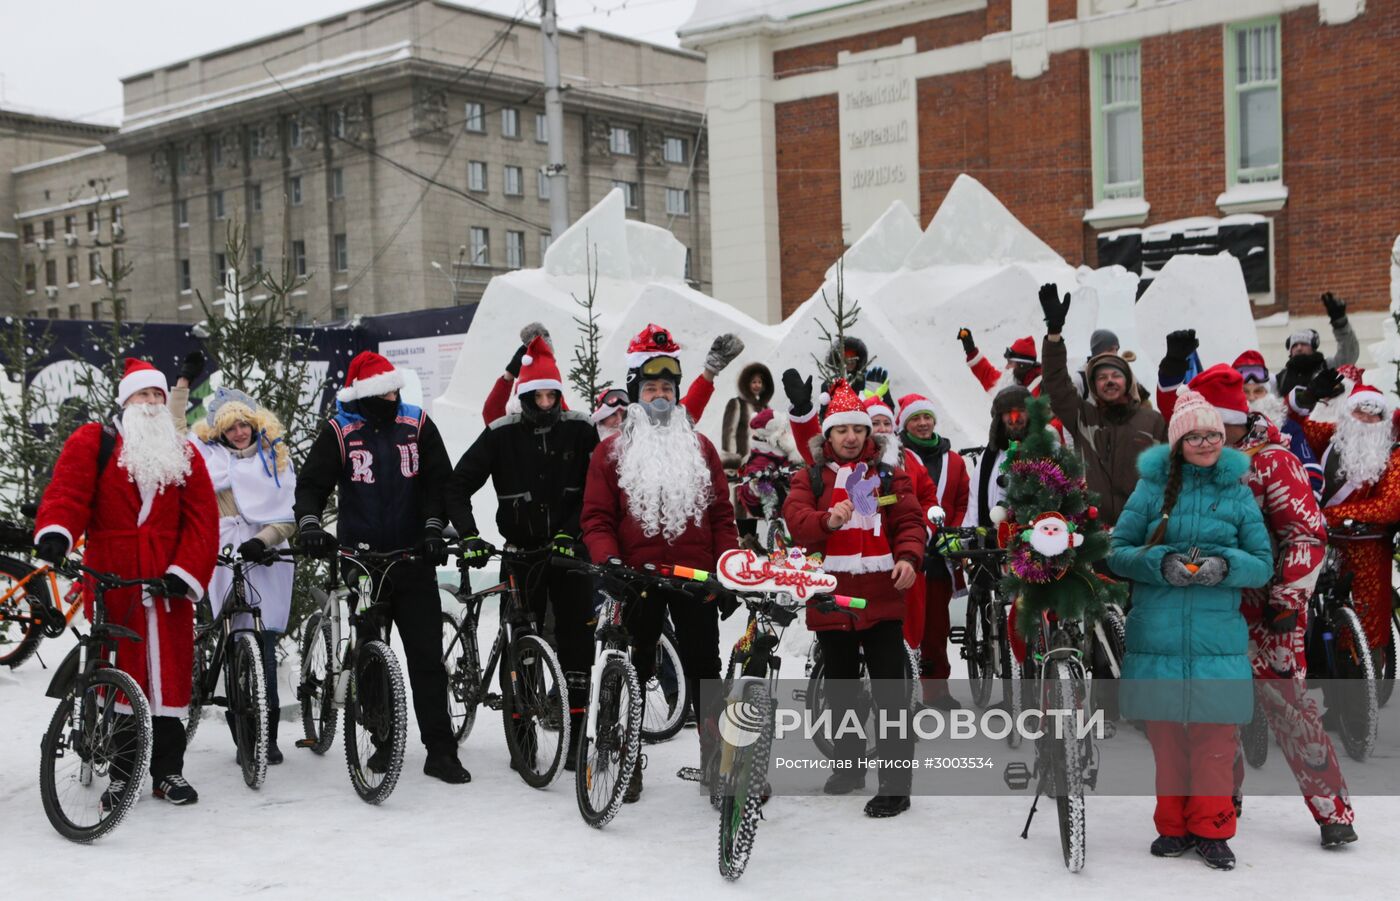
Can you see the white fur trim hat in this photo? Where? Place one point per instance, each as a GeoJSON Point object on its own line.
{"type": "Point", "coordinates": [369, 375]}
{"type": "Point", "coordinates": [138, 376]}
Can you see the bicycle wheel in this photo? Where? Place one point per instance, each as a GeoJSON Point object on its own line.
{"type": "Point", "coordinates": [818, 704]}
{"type": "Point", "coordinates": [1359, 716]}
{"type": "Point", "coordinates": [747, 740]}
{"type": "Point", "coordinates": [535, 711]}
{"type": "Point", "coordinates": [605, 765]}
{"type": "Point", "coordinates": [247, 702]}
{"type": "Point", "coordinates": [1108, 658]}
{"type": "Point", "coordinates": [376, 722]}
{"type": "Point", "coordinates": [85, 738]}
{"type": "Point", "coordinates": [1067, 767]}
{"type": "Point", "coordinates": [205, 644]}
{"type": "Point", "coordinates": [1011, 687]}
{"type": "Point", "coordinates": [316, 691]}
{"type": "Point", "coordinates": [664, 710]}
{"type": "Point", "coordinates": [1385, 685]}
{"type": "Point", "coordinates": [463, 665]}
{"type": "Point", "coordinates": [1254, 738]}
{"type": "Point", "coordinates": [21, 627]}
{"type": "Point", "coordinates": [977, 650]}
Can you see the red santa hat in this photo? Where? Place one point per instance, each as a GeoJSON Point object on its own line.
{"type": "Point", "coordinates": [1022, 350]}
{"type": "Point", "coordinates": [1368, 399]}
{"type": "Point", "coordinates": [538, 370]}
{"type": "Point", "coordinates": [843, 408]}
{"type": "Point", "coordinates": [369, 375]}
{"type": "Point", "coordinates": [139, 375]}
{"type": "Point", "coordinates": [1251, 366]}
{"type": "Point", "coordinates": [875, 405]}
{"type": "Point", "coordinates": [910, 405]}
{"type": "Point", "coordinates": [1223, 388]}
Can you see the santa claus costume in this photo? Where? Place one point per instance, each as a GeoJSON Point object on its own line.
{"type": "Point", "coordinates": [148, 514]}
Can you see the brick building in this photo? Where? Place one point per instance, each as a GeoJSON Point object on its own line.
{"type": "Point", "coordinates": [1083, 116]}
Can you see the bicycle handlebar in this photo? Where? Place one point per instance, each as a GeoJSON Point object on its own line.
{"type": "Point", "coordinates": [73, 569]}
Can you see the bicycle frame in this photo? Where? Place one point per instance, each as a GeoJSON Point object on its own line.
{"type": "Point", "coordinates": [69, 602]}
{"type": "Point", "coordinates": [359, 616]}
{"type": "Point", "coordinates": [238, 595]}
{"type": "Point", "coordinates": [514, 620]}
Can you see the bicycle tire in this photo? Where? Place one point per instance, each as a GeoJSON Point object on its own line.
{"type": "Point", "coordinates": [21, 610]}
{"type": "Point", "coordinates": [663, 715]}
{"type": "Point", "coordinates": [463, 664]}
{"type": "Point", "coordinates": [1116, 632]}
{"type": "Point", "coordinates": [1011, 686]}
{"type": "Point", "coordinates": [1360, 716]}
{"type": "Point", "coordinates": [977, 653]}
{"type": "Point", "coordinates": [1385, 684]}
{"type": "Point", "coordinates": [1068, 772]}
{"type": "Point", "coordinates": [376, 707]}
{"type": "Point", "coordinates": [607, 765]}
{"type": "Point", "coordinates": [1254, 738]}
{"type": "Point", "coordinates": [533, 711]}
{"type": "Point", "coordinates": [316, 691]}
{"type": "Point", "coordinates": [204, 645]}
{"type": "Point", "coordinates": [742, 797]}
{"type": "Point", "coordinates": [816, 703]}
{"type": "Point", "coordinates": [247, 702]}
{"type": "Point", "coordinates": [60, 743]}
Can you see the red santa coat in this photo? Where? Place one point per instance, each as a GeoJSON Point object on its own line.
{"type": "Point", "coordinates": [175, 531]}
{"type": "Point", "coordinates": [609, 530]}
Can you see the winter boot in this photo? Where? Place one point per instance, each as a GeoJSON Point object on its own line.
{"type": "Point", "coordinates": [1216, 853]}
{"type": "Point", "coordinates": [176, 790]}
{"type": "Point", "coordinates": [274, 754]}
{"type": "Point", "coordinates": [578, 683]}
{"type": "Point", "coordinates": [445, 766]}
{"type": "Point", "coordinates": [1334, 835]}
{"type": "Point", "coordinates": [844, 781]}
{"type": "Point", "coordinates": [634, 785]}
{"type": "Point", "coordinates": [1172, 845]}
{"type": "Point", "coordinates": [1238, 801]}
{"type": "Point", "coordinates": [379, 761]}
{"type": "Point", "coordinates": [882, 806]}
{"type": "Point", "coordinates": [117, 786]}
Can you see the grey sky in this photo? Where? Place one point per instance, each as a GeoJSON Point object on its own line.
{"type": "Point", "coordinates": [66, 57]}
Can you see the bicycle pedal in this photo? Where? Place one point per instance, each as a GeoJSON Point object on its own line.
{"type": "Point", "coordinates": [957, 634]}
{"type": "Point", "coordinates": [690, 774]}
{"type": "Point", "coordinates": [799, 695]}
{"type": "Point", "coordinates": [493, 701]}
{"type": "Point", "coordinates": [1017, 775]}
{"type": "Point", "coordinates": [305, 743]}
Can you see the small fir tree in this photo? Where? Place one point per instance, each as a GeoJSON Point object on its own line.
{"type": "Point", "coordinates": [585, 374]}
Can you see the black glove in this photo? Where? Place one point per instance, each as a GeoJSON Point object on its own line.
{"type": "Point", "coordinates": [798, 391]}
{"type": "Point", "coordinates": [1336, 309]}
{"type": "Point", "coordinates": [476, 551]}
{"type": "Point", "coordinates": [193, 366]}
{"type": "Point", "coordinates": [876, 376]}
{"type": "Point", "coordinates": [253, 550]}
{"type": "Point", "coordinates": [1055, 309]}
{"type": "Point", "coordinates": [317, 542]}
{"type": "Point", "coordinates": [969, 345]}
{"type": "Point", "coordinates": [53, 547]}
{"type": "Point", "coordinates": [1280, 620]}
{"type": "Point", "coordinates": [1180, 346]}
{"type": "Point", "coordinates": [172, 586]}
{"type": "Point", "coordinates": [566, 545]}
{"type": "Point", "coordinates": [433, 548]}
{"type": "Point", "coordinates": [726, 600]}
{"type": "Point", "coordinates": [1325, 384]}
{"type": "Point", "coordinates": [513, 367]}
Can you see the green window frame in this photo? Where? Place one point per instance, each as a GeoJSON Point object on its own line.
{"type": "Point", "coordinates": [1115, 93]}
{"type": "Point", "coordinates": [1253, 101]}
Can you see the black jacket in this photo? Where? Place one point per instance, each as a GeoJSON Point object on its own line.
{"type": "Point", "coordinates": [538, 475]}
{"type": "Point", "coordinates": [390, 478]}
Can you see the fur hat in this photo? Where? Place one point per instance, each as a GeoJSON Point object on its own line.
{"type": "Point", "coordinates": [227, 407]}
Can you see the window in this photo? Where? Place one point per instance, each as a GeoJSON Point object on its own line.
{"type": "Point", "coordinates": [338, 124]}
{"type": "Point", "coordinates": [48, 229]}
{"type": "Point", "coordinates": [218, 204]}
{"type": "Point", "coordinates": [510, 123]}
{"type": "Point", "coordinates": [221, 267]}
{"type": "Point", "coordinates": [476, 118]}
{"type": "Point", "coordinates": [116, 217]}
{"type": "Point", "coordinates": [515, 250]}
{"type": "Point", "coordinates": [254, 143]}
{"type": "Point", "coordinates": [96, 310]}
{"type": "Point", "coordinates": [541, 128]}
{"type": "Point", "coordinates": [51, 272]}
{"type": "Point", "coordinates": [515, 181]}
{"type": "Point", "coordinates": [182, 213]}
{"type": "Point", "coordinates": [29, 232]}
{"type": "Point", "coordinates": [1116, 94]}
{"type": "Point", "coordinates": [620, 141]}
{"type": "Point", "coordinates": [688, 271]}
{"type": "Point", "coordinates": [339, 313]}
{"type": "Point", "coordinates": [480, 246]}
{"type": "Point", "coordinates": [72, 272]}
{"type": "Point", "coordinates": [677, 202]}
{"type": "Point", "coordinates": [545, 240]}
{"type": "Point", "coordinates": [337, 184]}
{"type": "Point", "coordinates": [185, 285]}
{"type": "Point", "coordinates": [31, 278]}
{"type": "Point", "coordinates": [675, 150]}
{"type": "Point", "coordinates": [92, 221]}
{"type": "Point", "coordinates": [476, 176]}
{"type": "Point", "coordinates": [218, 152]}
{"type": "Point", "coordinates": [299, 256]}
{"type": "Point", "coordinates": [257, 258]}
{"type": "Point", "coordinates": [294, 132]}
{"type": "Point", "coordinates": [73, 309]}
{"type": "Point", "coordinates": [629, 192]}
{"type": "Point", "coordinates": [296, 190]}
{"type": "Point", "coordinates": [543, 184]}
{"type": "Point", "coordinates": [53, 312]}
{"type": "Point", "coordinates": [1253, 107]}
{"type": "Point", "coordinates": [255, 197]}
{"type": "Point", "coordinates": [342, 254]}
{"type": "Point", "coordinates": [94, 267]}
{"type": "Point", "coordinates": [70, 225]}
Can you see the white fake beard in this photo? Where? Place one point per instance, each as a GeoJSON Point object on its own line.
{"type": "Point", "coordinates": [1364, 448]}
{"type": "Point", "coordinates": [664, 473]}
{"type": "Point", "coordinates": [153, 453]}
{"type": "Point", "coordinates": [1272, 406]}
{"type": "Point", "coordinates": [607, 431]}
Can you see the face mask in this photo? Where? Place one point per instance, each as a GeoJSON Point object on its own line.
{"type": "Point", "coordinates": [534, 415]}
{"type": "Point", "coordinates": [607, 431]}
{"type": "Point", "coordinates": [378, 409]}
{"type": "Point", "coordinates": [658, 410]}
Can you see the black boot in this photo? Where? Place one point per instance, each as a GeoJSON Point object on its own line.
{"type": "Point", "coordinates": [882, 806]}
{"type": "Point", "coordinates": [634, 785]}
{"type": "Point", "coordinates": [1216, 853]}
{"type": "Point", "coordinates": [1172, 845]}
{"type": "Point", "coordinates": [1334, 835]}
{"type": "Point", "coordinates": [446, 766]}
{"type": "Point", "coordinates": [844, 781]}
{"type": "Point", "coordinates": [578, 705]}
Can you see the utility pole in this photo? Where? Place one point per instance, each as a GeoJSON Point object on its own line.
{"type": "Point", "coordinates": [554, 122]}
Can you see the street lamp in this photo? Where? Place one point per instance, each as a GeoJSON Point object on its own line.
{"type": "Point", "coordinates": [455, 277]}
{"type": "Point", "coordinates": [450, 280]}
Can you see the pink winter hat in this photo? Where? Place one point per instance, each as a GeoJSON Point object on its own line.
{"type": "Point", "coordinates": [1193, 413]}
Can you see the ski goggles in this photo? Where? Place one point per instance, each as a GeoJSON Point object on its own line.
{"type": "Point", "coordinates": [1254, 374]}
{"type": "Point", "coordinates": [661, 367]}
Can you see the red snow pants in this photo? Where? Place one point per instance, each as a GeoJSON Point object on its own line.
{"type": "Point", "coordinates": [1195, 776]}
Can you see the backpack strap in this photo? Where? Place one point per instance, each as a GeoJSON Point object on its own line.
{"type": "Point", "coordinates": [814, 473]}
{"type": "Point", "coordinates": [106, 445]}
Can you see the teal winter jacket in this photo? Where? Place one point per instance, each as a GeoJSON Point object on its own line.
{"type": "Point", "coordinates": [1187, 654]}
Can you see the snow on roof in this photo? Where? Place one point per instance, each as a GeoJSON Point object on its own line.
{"type": "Point", "coordinates": [55, 160]}
{"type": "Point", "coordinates": [72, 204]}
{"type": "Point", "coordinates": [8, 236]}
{"type": "Point", "coordinates": [709, 15]}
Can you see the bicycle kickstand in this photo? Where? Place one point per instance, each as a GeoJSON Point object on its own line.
{"type": "Point", "coordinates": [1026, 832]}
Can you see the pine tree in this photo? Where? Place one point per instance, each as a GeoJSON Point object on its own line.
{"type": "Point", "coordinates": [584, 374]}
{"type": "Point", "coordinates": [844, 315]}
{"type": "Point", "coordinates": [33, 426]}
{"type": "Point", "coordinates": [1043, 477]}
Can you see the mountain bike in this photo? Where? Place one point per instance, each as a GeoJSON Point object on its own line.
{"type": "Point", "coordinates": [533, 694]}
{"type": "Point", "coordinates": [236, 653]}
{"type": "Point", "coordinates": [771, 485]}
{"type": "Point", "coordinates": [26, 598]}
{"type": "Point", "coordinates": [97, 748]}
{"type": "Point", "coordinates": [815, 697]}
{"type": "Point", "coordinates": [666, 698]}
{"type": "Point", "coordinates": [360, 674]}
{"type": "Point", "coordinates": [1338, 653]}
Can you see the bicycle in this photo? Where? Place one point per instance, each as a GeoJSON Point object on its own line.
{"type": "Point", "coordinates": [771, 485]}
{"type": "Point", "coordinates": [814, 695]}
{"type": "Point", "coordinates": [533, 697]}
{"type": "Point", "coordinates": [1337, 650]}
{"type": "Point", "coordinates": [666, 698]}
{"type": "Point", "coordinates": [365, 680]}
{"type": "Point", "coordinates": [220, 647]}
{"type": "Point", "coordinates": [27, 603]}
{"type": "Point", "coordinates": [102, 727]}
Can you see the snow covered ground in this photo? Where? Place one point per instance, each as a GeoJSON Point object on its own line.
{"type": "Point", "coordinates": [306, 834]}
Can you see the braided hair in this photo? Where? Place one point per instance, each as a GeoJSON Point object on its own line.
{"type": "Point", "coordinates": [1169, 495]}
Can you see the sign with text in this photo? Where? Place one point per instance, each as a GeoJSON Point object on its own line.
{"type": "Point", "coordinates": [879, 121]}
{"type": "Point", "coordinates": [431, 359]}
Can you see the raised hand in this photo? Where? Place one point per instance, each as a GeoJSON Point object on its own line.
{"type": "Point", "coordinates": [798, 391]}
{"type": "Point", "coordinates": [969, 345]}
{"type": "Point", "coordinates": [1054, 308]}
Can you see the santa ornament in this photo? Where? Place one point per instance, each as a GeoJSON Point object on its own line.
{"type": "Point", "coordinates": [1051, 534]}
